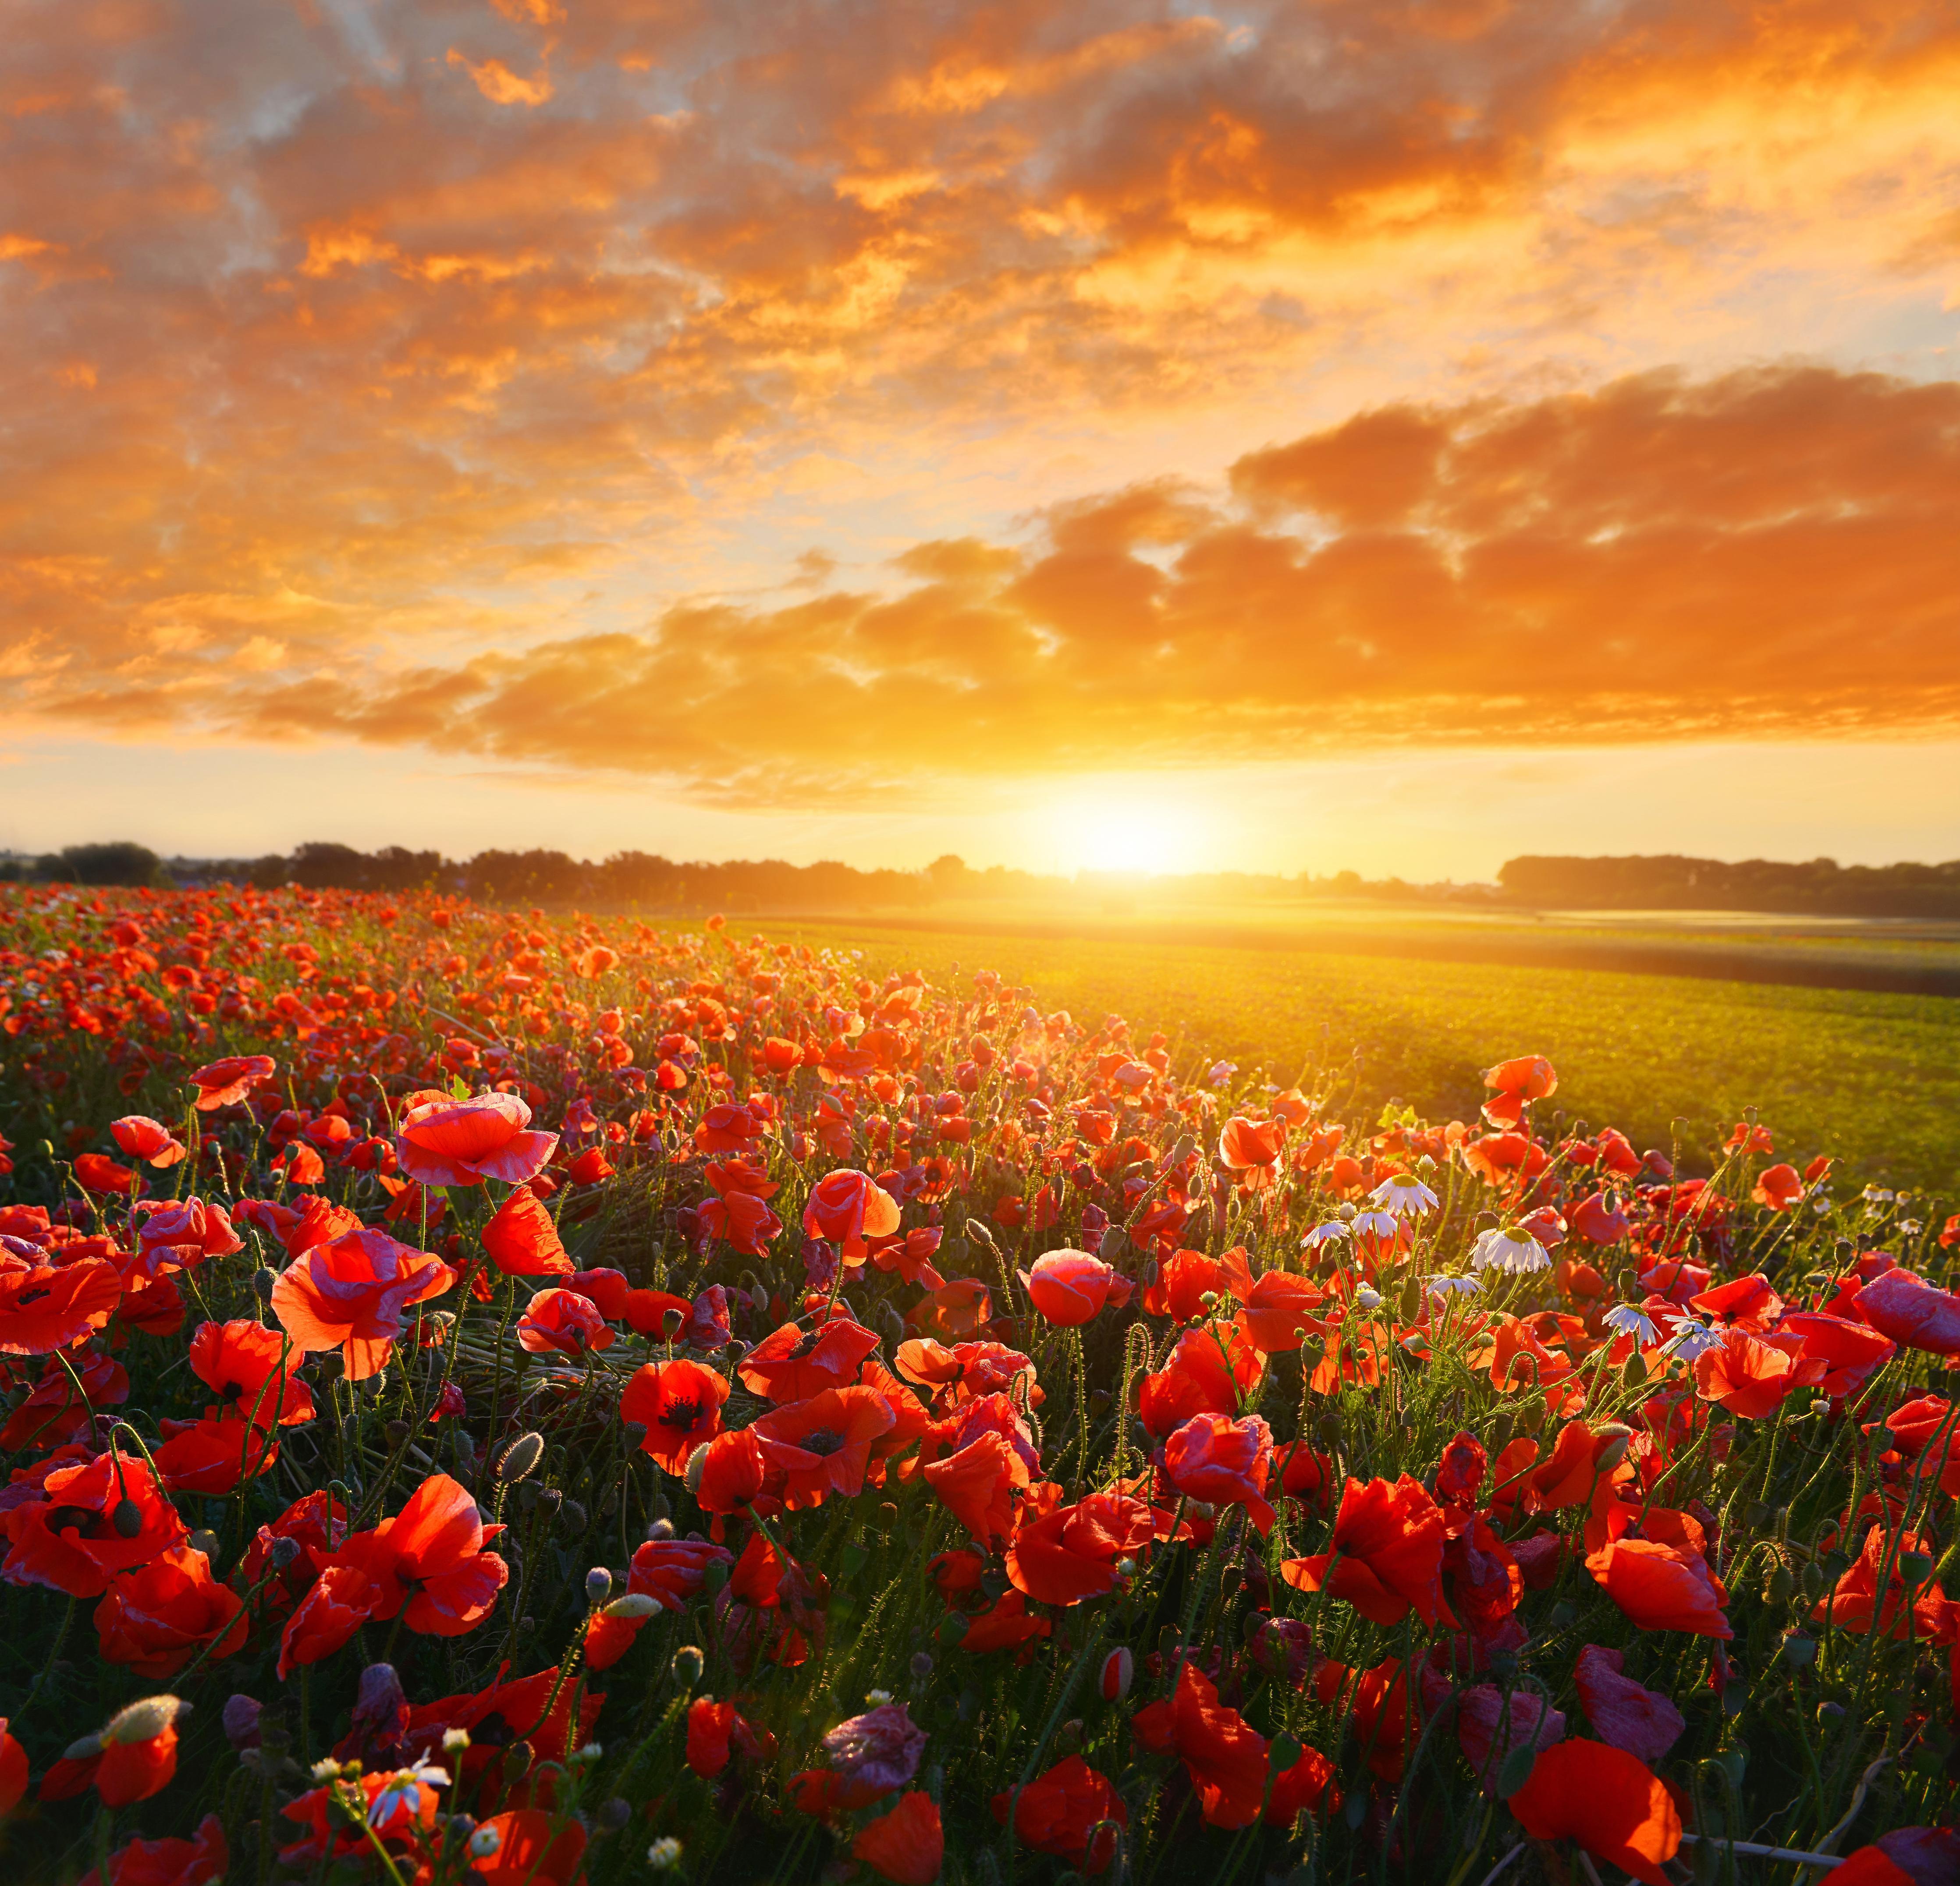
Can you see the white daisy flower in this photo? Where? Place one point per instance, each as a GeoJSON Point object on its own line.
{"type": "Point", "coordinates": [1692, 1339]}
{"type": "Point", "coordinates": [1443, 1288]}
{"type": "Point", "coordinates": [1628, 1320]}
{"type": "Point", "coordinates": [1405, 1195]}
{"type": "Point", "coordinates": [1513, 1251]}
{"type": "Point", "coordinates": [1323, 1234]}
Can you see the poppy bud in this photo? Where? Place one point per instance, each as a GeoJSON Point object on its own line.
{"type": "Point", "coordinates": [697, 1465]}
{"type": "Point", "coordinates": [518, 1759]}
{"type": "Point", "coordinates": [1782, 1582]}
{"type": "Point", "coordinates": [262, 1280]}
{"type": "Point", "coordinates": [521, 1456]}
{"type": "Point", "coordinates": [205, 1541]}
{"type": "Point", "coordinates": [598, 1585]}
{"type": "Point", "coordinates": [1112, 1244]}
{"type": "Point", "coordinates": [688, 1665]}
{"type": "Point", "coordinates": [143, 1722]}
{"type": "Point", "coordinates": [633, 1433]}
{"type": "Point", "coordinates": [1915, 1568]}
{"type": "Point", "coordinates": [921, 1666]}
{"type": "Point", "coordinates": [952, 1628]}
{"type": "Point", "coordinates": [613, 1814]}
{"type": "Point", "coordinates": [573, 1519]}
{"type": "Point", "coordinates": [1516, 1770]}
{"type": "Point", "coordinates": [1119, 1670]}
{"type": "Point", "coordinates": [1068, 1737]}
{"type": "Point", "coordinates": [633, 1606]}
{"type": "Point", "coordinates": [397, 1432]}
{"type": "Point", "coordinates": [715, 1576]}
{"type": "Point", "coordinates": [241, 1721]}
{"type": "Point", "coordinates": [1618, 1439]}
{"type": "Point", "coordinates": [661, 1529]}
{"type": "Point", "coordinates": [127, 1518]}
{"type": "Point", "coordinates": [285, 1551]}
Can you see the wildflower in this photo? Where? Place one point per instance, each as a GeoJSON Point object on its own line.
{"type": "Point", "coordinates": [1223, 1462]}
{"type": "Point", "coordinates": [1388, 1554]}
{"type": "Point", "coordinates": [563, 1322]}
{"type": "Point", "coordinates": [144, 1138]}
{"type": "Point", "coordinates": [132, 1757]}
{"type": "Point", "coordinates": [1329, 1232]}
{"type": "Point", "coordinates": [531, 1848]}
{"type": "Point", "coordinates": [1227, 1760]}
{"type": "Point", "coordinates": [1662, 1586]}
{"type": "Point", "coordinates": [521, 1238]}
{"type": "Point", "coordinates": [1912, 1312]}
{"type": "Point", "coordinates": [1386, 1225]}
{"type": "Point", "coordinates": [1071, 1811]}
{"type": "Point", "coordinates": [446, 1142]}
{"type": "Point", "coordinates": [664, 1854]}
{"type": "Point", "coordinates": [91, 1521]}
{"type": "Point", "coordinates": [1444, 1286]}
{"type": "Point", "coordinates": [225, 1083]}
{"type": "Point", "coordinates": [350, 1293]}
{"type": "Point", "coordinates": [1070, 1287]}
{"type": "Point", "coordinates": [1625, 1714]}
{"type": "Point", "coordinates": [1513, 1252]}
{"type": "Point", "coordinates": [1529, 1077]}
{"type": "Point", "coordinates": [1691, 1341]}
{"type": "Point", "coordinates": [1061, 1555]}
{"type": "Point", "coordinates": [848, 1206]}
{"type": "Point", "coordinates": [408, 1795]}
{"type": "Point", "coordinates": [906, 1846]}
{"type": "Point", "coordinates": [1629, 1319]}
{"type": "Point", "coordinates": [1607, 1802]}
{"type": "Point", "coordinates": [1404, 1196]}
{"type": "Point", "coordinates": [202, 1860]}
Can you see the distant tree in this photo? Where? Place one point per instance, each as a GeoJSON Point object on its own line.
{"type": "Point", "coordinates": [948, 874]}
{"type": "Point", "coordinates": [321, 867]}
{"type": "Point", "coordinates": [120, 862]}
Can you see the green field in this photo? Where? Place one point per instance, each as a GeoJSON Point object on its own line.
{"type": "Point", "coordinates": [1873, 1079]}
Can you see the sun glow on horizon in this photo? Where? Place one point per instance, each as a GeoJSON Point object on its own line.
{"type": "Point", "coordinates": [1118, 829]}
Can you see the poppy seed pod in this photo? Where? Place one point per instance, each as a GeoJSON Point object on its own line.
{"type": "Point", "coordinates": [521, 1457]}
{"type": "Point", "coordinates": [688, 1665]}
{"type": "Point", "coordinates": [127, 1518]}
{"type": "Point", "coordinates": [598, 1585]}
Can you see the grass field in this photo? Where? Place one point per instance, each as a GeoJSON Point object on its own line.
{"type": "Point", "coordinates": [1874, 1079]}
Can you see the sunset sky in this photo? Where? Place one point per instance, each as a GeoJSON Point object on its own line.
{"type": "Point", "coordinates": [1339, 434]}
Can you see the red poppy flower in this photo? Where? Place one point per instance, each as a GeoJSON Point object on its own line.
{"type": "Point", "coordinates": [1778, 1186]}
{"type": "Point", "coordinates": [679, 1403]}
{"type": "Point", "coordinates": [715, 1731]}
{"type": "Point", "coordinates": [533, 1849]}
{"type": "Point", "coordinates": [978, 1484]}
{"type": "Point", "coordinates": [1626, 1714]}
{"type": "Point", "coordinates": [212, 1455]}
{"type": "Point", "coordinates": [143, 1138]}
{"type": "Point", "coordinates": [444, 1142]}
{"type": "Point", "coordinates": [14, 1772]}
{"type": "Point", "coordinates": [1750, 1376]}
{"type": "Point", "coordinates": [430, 1556]}
{"type": "Point", "coordinates": [1071, 1287]}
{"type": "Point", "coordinates": [729, 1474]}
{"type": "Point", "coordinates": [907, 1846]}
{"type": "Point", "coordinates": [1854, 1604]}
{"type": "Point", "coordinates": [1224, 1462]}
{"type": "Point", "coordinates": [1250, 1150]}
{"type": "Point", "coordinates": [1388, 1554]}
{"type": "Point", "coordinates": [1528, 1077]}
{"type": "Point", "coordinates": [44, 1307]}
{"type": "Point", "coordinates": [336, 1606]}
{"type": "Point", "coordinates": [1072, 1811]}
{"type": "Point", "coordinates": [1211, 1368]}
{"type": "Point", "coordinates": [225, 1083]}
{"type": "Point", "coordinates": [181, 1233]}
{"type": "Point", "coordinates": [1226, 1758]}
{"type": "Point", "coordinates": [522, 1239]}
{"type": "Point", "coordinates": [792, 1363]}
{"type": "Point", "coordinates": [132, 1758]}
{"type": "Point", "coordinates": [1277, 1315]}
{"type": "Point", "coordinates": [822, 1445]}
{"type": "Point", "coordinates": [71, 1541]}
{"type": "Point", "coordinates": [201, 1861]}
{"type": "Point", "coordinates": [349, 1294]}
{"type": "Point", "coordinates": [155, 1619]}
{"type": "Point", "coordinates": [1912, 1312]}
{"type": "Point", "coordinates": [1183, 1281]}
{"type": "Point", "coordinates": [846, 1207]}
{"type": "Point", "coordinates": [98, 1173]}
{"type": "Point", "coordinates": [1607, 1800]}
{"type": "Point", "coordinates": [250, 1370]}
{"type": "Point", "coordinates": [1062, 1554]}
{"type": "Point", "coordinates": [1662, 1587]}
{"type": "Point", "coordinates": [563, 1323]}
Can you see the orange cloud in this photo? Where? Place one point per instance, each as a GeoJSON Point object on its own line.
{"type": "Point", "coordinates": [1768, 552]}
{"type": "Point", "coordinates": [343, 394]}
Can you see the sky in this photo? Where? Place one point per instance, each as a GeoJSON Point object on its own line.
{"type": "Point", "coordinates": [1384, 434]}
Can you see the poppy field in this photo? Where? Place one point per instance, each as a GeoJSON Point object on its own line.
{"type": "Point", "coordinates": [497, 1398]}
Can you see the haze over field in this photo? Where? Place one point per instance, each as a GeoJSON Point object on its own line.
{"type": "Point", "coordinates": [1118, 435]}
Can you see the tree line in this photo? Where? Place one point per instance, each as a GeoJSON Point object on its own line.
{"type": "Point", "coordinates": [1822, 887]}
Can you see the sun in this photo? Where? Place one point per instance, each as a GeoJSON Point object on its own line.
{"type": "Point", "coordinates": [1117, 828]}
